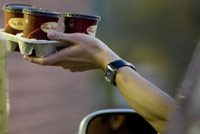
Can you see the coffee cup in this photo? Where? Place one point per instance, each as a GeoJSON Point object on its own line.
{"type": "Point", "coordinates": [80, 23]}
{"type": "Point", "coordinates": [37, 23]}
{"type": "Point", "coordinates": [14, 18]}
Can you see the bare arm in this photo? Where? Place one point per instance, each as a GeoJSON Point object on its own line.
{"type": "Point", "coordinates": [86, 52]}
{"type": "Point", "coordinates": [148, 100]}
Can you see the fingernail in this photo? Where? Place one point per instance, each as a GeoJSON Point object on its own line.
{"type": "Point", "coordinates": [51, 34]}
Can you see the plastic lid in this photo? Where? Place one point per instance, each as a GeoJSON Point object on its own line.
{"type": "Point", "coordinates": [82, 16]}
{"type": "Point", "coordinates": [16, 8]}
{"type": "Point", "coordinates": [41, 12]}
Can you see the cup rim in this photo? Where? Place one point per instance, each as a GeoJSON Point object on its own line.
{"type": "Point", "coordinates": [41, 12]}
{"type": "Point", "coordinates": [81, 16]}
{"type": "Point", "coordinates": [16, 8]}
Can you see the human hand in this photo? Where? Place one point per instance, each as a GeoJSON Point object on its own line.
{"type": "Point", "coordinates": [85, 52]}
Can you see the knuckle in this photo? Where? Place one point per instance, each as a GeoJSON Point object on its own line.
{"type": "Point", "coordinates": [59, 36]}
{"type": "Point", "coordinates": [43, 62]}
{"type": "Point", "coordinates": [77, 36]}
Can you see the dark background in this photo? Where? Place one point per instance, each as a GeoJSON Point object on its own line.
{"type": "Point", "coordinates": [157, 36]}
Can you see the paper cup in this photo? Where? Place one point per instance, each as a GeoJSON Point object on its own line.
{"type": "Point", "coordinates": [79, 23]}
{"type": "Point", "coordinates": [37, 23]}
{"type": "Point", "coordinates": [14, 18]}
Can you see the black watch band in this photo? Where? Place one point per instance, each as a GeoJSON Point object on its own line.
{"type": "Point", "coordinates": [112, 67]}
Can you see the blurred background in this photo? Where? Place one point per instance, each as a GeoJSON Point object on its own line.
{"type": "Point", "coordinates": [157, 36]}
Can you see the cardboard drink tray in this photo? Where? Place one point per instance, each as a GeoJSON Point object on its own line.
{"type": "Point", "coordinates": [42, 48]}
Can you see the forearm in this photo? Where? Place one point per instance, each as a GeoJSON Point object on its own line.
{"type": "Point", "coordinates": [148, 100]}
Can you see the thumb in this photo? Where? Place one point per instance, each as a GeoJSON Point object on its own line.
{"type": "Point", "coordinates": [63, 37]}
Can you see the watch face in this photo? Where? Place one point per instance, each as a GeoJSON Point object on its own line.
{"type": "Point", "coordinates": [108, 74]}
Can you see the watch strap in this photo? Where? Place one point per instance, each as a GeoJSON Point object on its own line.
{"type": "Point", "coordinates": [120, 63]}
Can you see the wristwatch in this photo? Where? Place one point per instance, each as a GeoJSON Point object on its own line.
{"type": "Point", "coordinates": [112, 67]}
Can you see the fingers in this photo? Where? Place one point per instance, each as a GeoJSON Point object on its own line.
{"type": "Point", "coordinates": [35, 60]}
{"type": "Point", "coordinates": [60, 56]}
{"type": "Point", "coordinates": [49, 60]}
{"type": "Point", "coordinates": [72, 68]}
{"type": "Point", "coordinates": [62, 37]}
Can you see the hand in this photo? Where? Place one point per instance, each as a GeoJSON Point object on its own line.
{"type": "Point", "coordinates": [84, 53]}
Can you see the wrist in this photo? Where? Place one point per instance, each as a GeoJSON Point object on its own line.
{"type": "Point", "coordinates": [104, 55]}
{"type": "Point", "coordinates": [107, 58]}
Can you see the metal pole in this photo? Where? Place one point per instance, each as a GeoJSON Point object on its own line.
{"type": "Point", "coordinates": [3, 89]}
